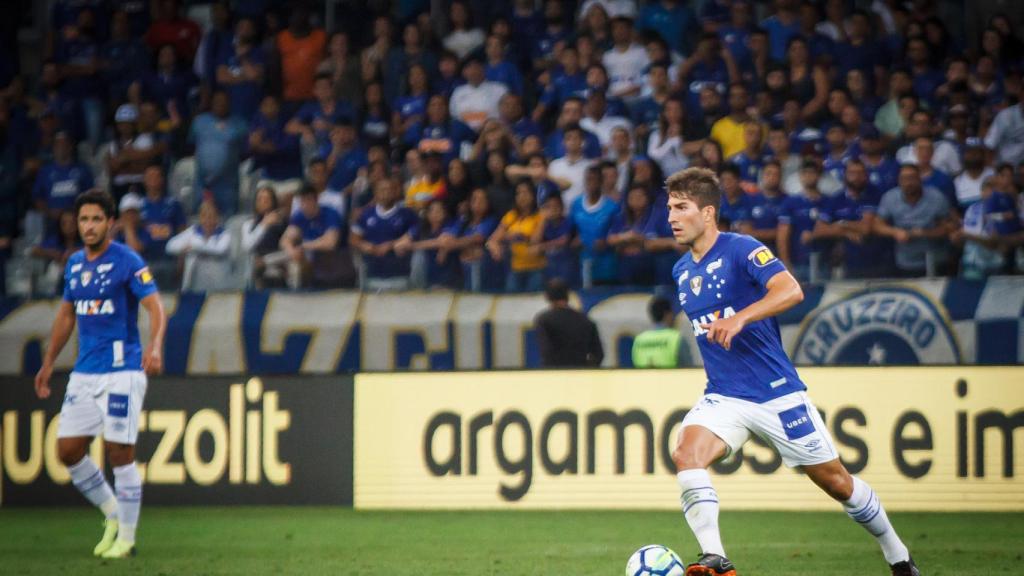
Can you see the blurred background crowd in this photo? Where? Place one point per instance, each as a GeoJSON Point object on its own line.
{"type": "Point", "coordinates": [494, 145]}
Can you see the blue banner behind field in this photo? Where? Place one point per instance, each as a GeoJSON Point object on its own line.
{"type": "Point", "coordinates": [938, 321]}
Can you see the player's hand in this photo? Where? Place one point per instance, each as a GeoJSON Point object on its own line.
{"type": "Point", "coordinates": [42, 383]}
{"type": "Point", "coordinates": [723, 330]}
{"type": "Point", "coordinates": [152, 360]}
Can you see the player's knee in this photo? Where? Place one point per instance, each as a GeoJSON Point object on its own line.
{"type": "Point", "coordinates": [687, 458]}
{"type": "Point", "coordinates": [120, 454]}
{"type": "Point", "coordinates": [70, 454]}
{"type": "Point", "coordinates": [840, 486]}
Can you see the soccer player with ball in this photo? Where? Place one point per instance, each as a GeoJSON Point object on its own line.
{"type": "Point", "coordinates": [731, 287]}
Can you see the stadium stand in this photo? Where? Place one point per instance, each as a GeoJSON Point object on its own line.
{"type": "Point", "coordinates": [410, 94]}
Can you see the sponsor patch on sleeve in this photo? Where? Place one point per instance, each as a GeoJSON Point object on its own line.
{"type": "Point", "coordinates": [762, 257]}
{"type": "Point", "coordinates": [144, 276]}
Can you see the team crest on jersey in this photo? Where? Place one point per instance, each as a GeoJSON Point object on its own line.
{"type": "Point", "coordinates": [86, 278]}
{"type": "Point", "coordinates": [695, 284]}
{"type": "Point", "coordinates": [714, 266]}
{"type": "Point", "coordinates": [761, 257]}
{"type": "Point", "coordinates": [884, 325]}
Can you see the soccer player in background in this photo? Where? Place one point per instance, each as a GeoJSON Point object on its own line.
{"type": "Point", "coordinates": [731, 287]}
{"type": "Point", "coordinates": [103, 286]}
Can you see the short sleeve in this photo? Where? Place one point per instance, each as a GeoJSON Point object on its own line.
{"type": "Point", "coordinates": [485, 228]}
{"type": "Point", "coordinates": [508, 219]}
{"type": "Point", "coordinates": [411, 221]}
{"type": "Point", "coordinates": [141, 281]}
{"type": "Point", "coordinates": [885, 206]}
{"type": "Point", "coordinates": [66, 296]}
{"type": "Point", "coordinates": [942, 205]}
{"type": "Point", "coordinates": [332, 220]}
{"type": "Point", "coordinates": [827, 212]}
{"type": "Point", "coordinates": [756, 259]}
{"type": "Point", "coordinates": [786, 212]}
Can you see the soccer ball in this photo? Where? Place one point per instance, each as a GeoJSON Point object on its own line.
{"type": "Point", "coordinates": [655, 560]}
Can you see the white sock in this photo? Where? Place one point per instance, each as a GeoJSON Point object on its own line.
{"type": "Point", "coordinates": [129, 500]}
{"type": "Point", "coordinates": [700, 507]}
{"type": "Point", "coordinates": [866, 510]}
{"type": "Point", "coordinates": [90, 482]}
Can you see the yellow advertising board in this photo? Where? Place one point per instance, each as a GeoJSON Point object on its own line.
{"type": "Point", "coordinates": [926, 438]}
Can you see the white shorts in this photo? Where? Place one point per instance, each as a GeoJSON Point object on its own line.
{"type": "Point", "coordinates": [790, 423]}
{"type": "Point", "coordinates": [107, 404]}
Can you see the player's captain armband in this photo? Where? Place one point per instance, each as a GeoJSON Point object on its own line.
{"type": "Point", "coordinates": [762, 256]}
{"type": "Point", "coordinates": [144, 276]}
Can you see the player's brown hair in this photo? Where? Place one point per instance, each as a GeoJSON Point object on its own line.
{"type": "Point", "coordinates": [697, 184]}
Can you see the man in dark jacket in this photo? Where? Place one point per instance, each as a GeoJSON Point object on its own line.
{"type": "Point", "coordinates": [566, 336]}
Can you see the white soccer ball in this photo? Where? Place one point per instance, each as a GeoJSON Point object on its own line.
{"type": "Point", "coordinates": [655, 560]}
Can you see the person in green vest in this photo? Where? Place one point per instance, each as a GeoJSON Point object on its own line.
{"type": "Point", "coordinates": [660, 347]}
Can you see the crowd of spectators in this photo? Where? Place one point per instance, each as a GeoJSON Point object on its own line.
{"type": "Point", "coordinates": [503, 144]}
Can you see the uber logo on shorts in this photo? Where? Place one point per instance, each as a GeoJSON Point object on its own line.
{"type": "Point", "coordinates": [796, 422]}
{"type": "Point", "coordinates": [117, 405]}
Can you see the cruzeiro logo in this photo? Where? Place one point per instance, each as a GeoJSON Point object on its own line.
{"type": "Point", "coordinates": [885, 325]}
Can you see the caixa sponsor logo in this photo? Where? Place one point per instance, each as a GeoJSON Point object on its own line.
{"type": "Point", "coordinates": [728, 312]}
{"type": "Point", "coordinates": [888, 325]}
{"type": "Point", "coordinates": [94, 307]}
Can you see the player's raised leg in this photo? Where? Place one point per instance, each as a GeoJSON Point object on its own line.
{"type": "Point", "coordinates": [698, 448]}
{"type": "Point", "coordinates": [864, 507]}
{"type": "Point", "coordinates": [89, 480]}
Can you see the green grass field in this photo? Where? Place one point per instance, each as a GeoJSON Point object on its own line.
{"type": "Point", "coordinates": [280, 541]}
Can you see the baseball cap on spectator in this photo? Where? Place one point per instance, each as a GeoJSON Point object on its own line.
{"type": "Point", "coordinates": [130, 201]}
{"type": "Point", "coordinates": [544, 189]}
{"type": "Point", "coordinates": [126, 113]}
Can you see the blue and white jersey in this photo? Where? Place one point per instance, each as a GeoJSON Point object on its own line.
{"type": "Point", "coordinates": [730, 277]}
{"type": "Point", "coordinates": [105, 293]}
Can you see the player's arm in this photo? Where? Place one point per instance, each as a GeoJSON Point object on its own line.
{"type": "Point", "coordinates": [783, 292]}
{"type": "Point", "coordinates": [152, 358]}
{"type": "Point", "coordinates": [63, 324]}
